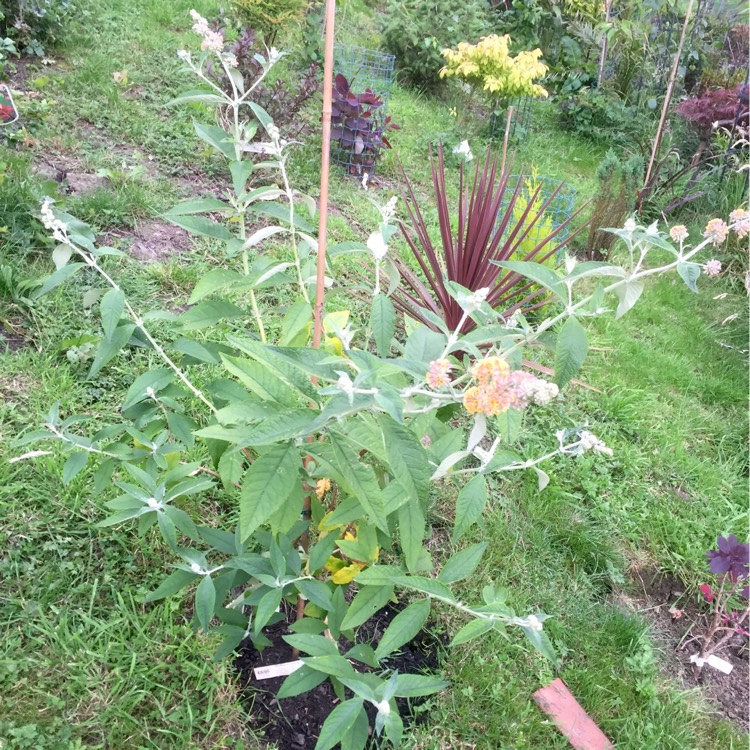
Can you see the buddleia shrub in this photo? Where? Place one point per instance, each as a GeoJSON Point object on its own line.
{"type": "Point", "coordinates": [417, 31]}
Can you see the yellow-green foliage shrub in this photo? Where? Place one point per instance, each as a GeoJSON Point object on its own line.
{"type": "Point", "coordinates": [542, 227]}
{"type": "Point", "coordinates": [489, 64]}
{"type": "Point", "coordinates": [267, 16]}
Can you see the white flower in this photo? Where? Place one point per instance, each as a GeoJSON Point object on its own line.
{"type": "Point", "coordinates": [230, 60]}
{"type": "Point", "coordinates": [542, 391]}
{"type": "Point", "coordinates": [389, 210]}
{"type": "Point", "coordinates": [212, 41]}
{"type": "Point", "coordinates": [273, 55]}
{"type": "Point", "coordinates": [196, 568]}
{"type": "Point", "coordinates": [383, 707]}
{"type": "Point", "coordinates": [153, 503]}
{"type": "Point", "coordinates": [532, 621]}
{"type": "Point", "coordinates": [345, 383]}
{"type": "Point", "coordinates": [59, 228]}
{"type": "Point", "coordinates": [630, 225]}
{"type": "Point", "coordinates": [588, 439]}
{"type": "Point", "coordinates": [201, 24]}
{"type": "Point", "coordinates": [591, 442]}
{"type": "Point", "coordinates": [463, 149]}
{"type": "Point", "coordinates": [184, 55]}
{"type": "Point", "coordinates": [474, 302]}
{"type": "Point", "coordinates": [377, 245]}
{"type": "Point", "coordinates": [512, 321]}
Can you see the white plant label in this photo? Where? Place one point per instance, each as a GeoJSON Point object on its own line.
{"type": "Point", "coordinates": [713, 661]}
{"type": "Point", "coordinates": [277, 670]}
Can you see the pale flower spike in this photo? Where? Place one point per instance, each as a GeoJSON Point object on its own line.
{"type": "Point", "coordinates": [740, 219]}
{"type": "Point", "coordinates": [716, 231]}
{"type": "Point", "coordinates": [591, 442]}
{"type": "Point", "coordinates": [678, 233]}
{"type": "Point", "coordinates": [713, 267]}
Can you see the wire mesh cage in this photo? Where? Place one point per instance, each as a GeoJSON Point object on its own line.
{"type": "Point", "coordinates": [360, 102]}
{"type": "Point", "coordinates": [560, 209]}
{"type": "Point", "coordinates": [520, 124]}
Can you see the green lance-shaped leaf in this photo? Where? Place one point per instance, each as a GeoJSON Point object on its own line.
{"type": "Point", "coordinates": [57, 278]}
{"type": "Point", "coordinates": [405, 626]}
{"type": "Point", "coordinates": [470, 505]}
{"type": "Point", "coordinates": [198, 206]}
{"type": "Point", "coordinates": [472, 629]}
{"type": "Point", "coordinates": [570, 351]}
{"type": "Point", "coordinates": [301, 681]}
{"type": "Point", "coordinates": [267, 485]}
{"type": "Point", "coordinates": [154, 379]}
{"type": "Point", "coordinates": [173, 583]}
{"type": "Point", "coordinates": [295, 328]}
{"type": "Point", "coordinates": [416, 685]}
{"type": "Point", "coordinates": [208, 313]}
{"type": "Point", "coordinates": [358, 478]}
{"type": "Point", "coordinates": [365, 604]}
{"type": "Point", "coordinates": [546, 277]}
{"type": "Point", "coordinates": [628, 294]}
{"type": "Point", "coordinates": [339, 723]}
{"type": "Point", "coordinates": [214, 281]}
{"type": "Point", "coordinates": [540, 642]}
{"type": "Point", "coordinates": [205, 601]}
{"type": "Point", "coordinates": [461, 565]}
{"type": "Point", "coordinates": [76, 463]}
{"type": "Point", "coordinates": [406, 458]}
{"type": "Point", "coordinates": [112, 306]}
{"type": "Point", "coordinates": [218, 138]}
{"type": "Point", "coordinates": [200, 225]}
{"type": "Point", "coordinates": [412, 529]}
{"type": "Point", "coordinates": [109, 347]}
{"type": "Point", "coordinates": [383, 323]}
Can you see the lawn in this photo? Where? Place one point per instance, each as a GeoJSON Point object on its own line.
{"type": "Point", "coordinates": [84, 663]}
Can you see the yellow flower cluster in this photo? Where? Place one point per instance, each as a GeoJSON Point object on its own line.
{"type": "Point", "coordinates": [490, 64]}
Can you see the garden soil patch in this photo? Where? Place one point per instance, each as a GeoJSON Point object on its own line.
{"type": "Point", "coordinates": [729, 694]}
{"type": "Point", "coordinates": [157, 241]}
{"type": "Point", "coordinates": [12, 337]}
{"type": "Point", "coordinates": [295, 723]}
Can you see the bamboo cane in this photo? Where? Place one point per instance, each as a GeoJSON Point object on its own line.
{"type": "Point", "coordinates": [665, 109]}
{"type": "Point", "coordinates": [325, 161]}
{"type": "Point", "coordinates": [605, 40]}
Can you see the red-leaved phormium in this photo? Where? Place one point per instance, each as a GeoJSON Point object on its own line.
{"type": "Point", "coordinates": [487, 229]}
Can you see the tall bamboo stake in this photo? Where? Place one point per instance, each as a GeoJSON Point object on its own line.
{"type": "Point", "coordinates": [603, 56]}
{"type": "Point", "coordinates": [665, 108]}
{"type": "Point", "coordinates": [325, 162]}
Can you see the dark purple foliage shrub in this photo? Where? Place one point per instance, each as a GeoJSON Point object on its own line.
{"type": "Point", "coordinates": [358, 126]}
{"type": "Point", "coordinates": [701, 112]}
{"type": "Point", "coordinates": [731, 557]}
{"type": "Point", "coordinates": [282, 104]}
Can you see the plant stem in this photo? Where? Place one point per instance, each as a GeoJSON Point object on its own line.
{"type": "Point", "coordinates": [91, 261]}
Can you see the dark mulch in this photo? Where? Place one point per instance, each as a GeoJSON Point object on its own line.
{"type": "Point", "coordinates": [295, 723]}
{"type": "Point", "coordinates": [729, 694]}
{"type": "Point", "coordinates": [12, 337]}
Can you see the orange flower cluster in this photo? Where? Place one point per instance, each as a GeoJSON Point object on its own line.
{"type": "Point", "coordinates": [498, 389]}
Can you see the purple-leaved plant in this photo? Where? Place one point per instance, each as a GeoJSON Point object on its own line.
{"type": "Point", "coordinates": [729, 599]}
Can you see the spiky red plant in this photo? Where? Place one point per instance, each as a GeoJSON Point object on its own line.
{"type": "Point", "coordinates": [464, 256]}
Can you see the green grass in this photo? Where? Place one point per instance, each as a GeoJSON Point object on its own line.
{"type": "Point", "coordinates": [86, 665]}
